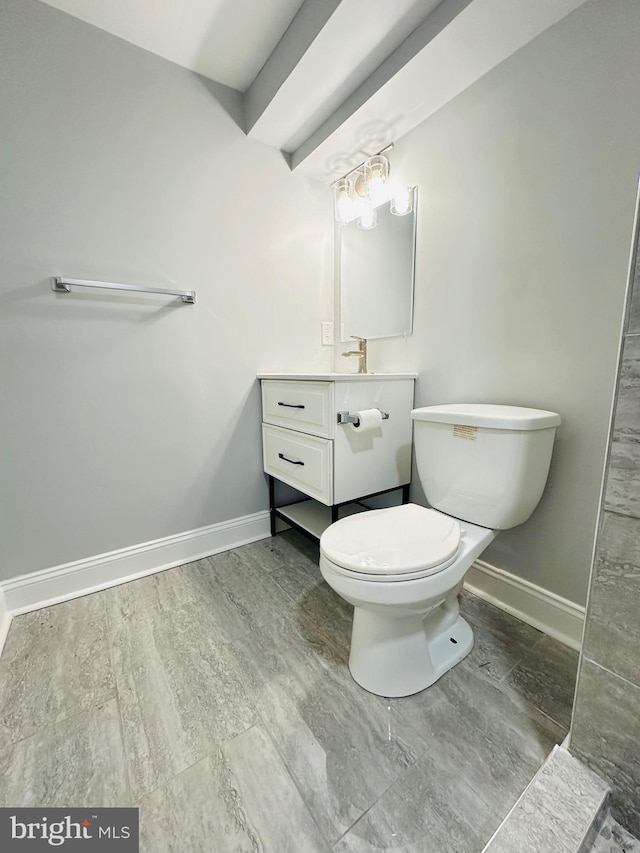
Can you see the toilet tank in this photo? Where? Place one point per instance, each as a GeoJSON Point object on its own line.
{"type": "Point", "coordinates": [484, 464]}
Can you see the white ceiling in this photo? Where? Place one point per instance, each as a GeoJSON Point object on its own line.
{"type": "Point", "coordinates": [225, 40]}
{"type": "Point", "coordinates": [330, 81]}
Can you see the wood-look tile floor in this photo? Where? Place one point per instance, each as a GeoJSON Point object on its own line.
{"type": "Point", "coordinates": [216, 697]}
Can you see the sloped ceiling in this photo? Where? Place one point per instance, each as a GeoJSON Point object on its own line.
{"type": "Point", "coordinates": [329, 82]}
{"type": "Point", "coordinates": [225, 40]}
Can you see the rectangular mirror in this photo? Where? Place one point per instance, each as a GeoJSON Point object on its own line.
{"type": "Point", "coordinates": [375, 270]}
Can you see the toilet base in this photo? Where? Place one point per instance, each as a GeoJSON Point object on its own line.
{"type": "Point", "coordinates": [396, 657]}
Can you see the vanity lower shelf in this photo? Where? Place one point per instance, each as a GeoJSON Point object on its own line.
{"type": "Point", "coordinates": [312, 517]}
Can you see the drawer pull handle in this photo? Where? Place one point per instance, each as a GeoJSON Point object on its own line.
{"type": "Point", "coordinates": [282, 456]}
{"type": "Point", "coordinates": [292, 405]}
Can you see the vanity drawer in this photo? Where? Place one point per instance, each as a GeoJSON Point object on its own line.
{"type": "Point", "coordinates": [304, 406]}
{"type": "Point", "coordinates": [303, 461]}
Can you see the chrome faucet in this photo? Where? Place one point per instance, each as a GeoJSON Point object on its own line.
{"type": "Point", "coordinates": [361, 352]}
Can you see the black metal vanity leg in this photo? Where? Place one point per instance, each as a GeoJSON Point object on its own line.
{"type": "Point", "coordinates": [405, 493]}
{"type": "Point", "coordinates": [334, 513]}
{"type": "Point", "coordinates": [272, 505]}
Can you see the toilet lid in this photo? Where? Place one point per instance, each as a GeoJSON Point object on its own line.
{"type": "Point", "coordinates": [398, 540]}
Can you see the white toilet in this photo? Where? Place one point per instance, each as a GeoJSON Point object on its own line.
{"type": "Point", "coordinates": [483, 469]}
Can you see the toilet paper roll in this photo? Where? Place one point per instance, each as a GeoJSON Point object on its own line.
{"type": "Point", "coordinates": [368, 420]}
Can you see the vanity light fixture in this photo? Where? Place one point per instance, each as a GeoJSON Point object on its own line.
{"type": "Point", "coordinates": [358, 193]}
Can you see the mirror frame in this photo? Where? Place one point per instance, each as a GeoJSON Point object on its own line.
{"type": "Point", "coordinates": [337, 278]}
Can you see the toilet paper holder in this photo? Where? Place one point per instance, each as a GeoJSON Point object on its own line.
{"type": "Point", "coordinates": [348, 418]}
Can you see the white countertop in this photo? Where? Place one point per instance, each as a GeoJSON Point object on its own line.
{"type": "Point", "coordinates": [337, 377]}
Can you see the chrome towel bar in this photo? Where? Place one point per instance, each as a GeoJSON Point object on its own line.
{"type": "Point", "coordinates": [63, 285]}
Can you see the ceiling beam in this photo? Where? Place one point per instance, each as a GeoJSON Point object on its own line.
{"type": "Point", "coordinates": [281, 64]}
{"type": "Point", "coordinates": [328, 52]}
{"type": "Point", "coordinates": [458, 43]}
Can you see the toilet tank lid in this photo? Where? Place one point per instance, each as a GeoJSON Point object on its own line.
{"type": "Point", "coordinates": [491, 416]}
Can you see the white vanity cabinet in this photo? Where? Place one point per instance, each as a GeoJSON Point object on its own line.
{"type": "Point", "coordinates": [305, 446]}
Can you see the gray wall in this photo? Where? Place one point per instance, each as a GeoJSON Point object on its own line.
{"type": "Point", "coordinates": [126, 418]}
{"type": "Point", "coordinates": [606, 719]}
{"type": "Point", "coordinates": [527, 186]}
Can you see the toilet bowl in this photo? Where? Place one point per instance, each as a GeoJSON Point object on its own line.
{"type": "Point", "coordinates": [402, 569]}
{"type": "Point", "coordinates": [483, 468]}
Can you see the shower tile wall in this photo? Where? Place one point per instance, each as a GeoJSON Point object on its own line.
{"type": "Point", "coordinates": [606, 721]}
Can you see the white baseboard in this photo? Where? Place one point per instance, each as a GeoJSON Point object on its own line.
{"type": "Point", "coordinates": [544, 610]}
{"type": "Point", "coordinates": [5, 620]}
{"type": "Point", "coordinates": [71, 580]}
{"type": "Point", "coordinates": [534, 605]}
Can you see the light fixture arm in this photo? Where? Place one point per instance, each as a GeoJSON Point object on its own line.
{"type": "Point", "coordinates": [360, 165]}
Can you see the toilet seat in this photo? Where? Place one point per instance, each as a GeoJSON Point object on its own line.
{"type": "Point", "coordinates": [400, 543]}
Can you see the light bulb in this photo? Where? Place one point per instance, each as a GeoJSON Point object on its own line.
{"type": "Point", "coordinates": [376, 173]}
{"type": "Point", "coordinates": [344, 209]}
{"type": "Point", "coordinates": [401, 201]}
{"type": "Point", "coordinates": [376, 191]}
{"type": "Point", "coordinates": [343, 204]}
{"type": "Point", "coordinates": [368, 218]}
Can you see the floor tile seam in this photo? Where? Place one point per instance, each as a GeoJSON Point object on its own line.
{"type": "Point", "coordinates": [273, 580]}
{"type": "Point", "coordinates": [418, 744]}
{"type": "Point", "coordinates": [503, 678]}
{"type": "Point", "coordinates": [289, 644]}
{"type": "Point", "coordinates": [323, 623]}
{"type": "Point", "coordinates": [128, 765]}
{"type": "Point", "coordinates": [490, 806]}
{"type": "Point", "coordinates": [274, 743]}
{"type": "Point", "coordinates": [202, 757]}
{"type": "Point", "coordinates": [542, 640]}
{"type": "Point", "coordinates": [282, 589]}
{"type": "Point", "coordinates": [318, 622]}
{"type": "Point", "coordinates": [261, 721]}
{"type": "Point", "coordinates": [340, 603]}
{"type": "Point", "coordinates": [517, 807]}
{"type": "Point", "coordinates": [250, 629]}
{"type": "Point", "coordinates": [136, 801]}
{"type": "Point", "coordinates": [253, 562]}
{"type": "Point", "coordinates": [393, 782]}
{"type": "Point", "coordinates": [563, 728]}
{"type": "Point", "coordinates": [93, 707]}
{"type": "Point", "coordinates": [268, 569]}
{"type": "Point", "coordinates": [241, 609]}
{"type": "Point", "coordinates": [480, 795]}
{"type": "Point", "coordinates": [150, 621]}
{"type": "Point", "coordinates": [259, 625]}
{"type": "Point", "coordinates": [291, 641]}
{"type": "Point", "coordinates": [287, 565]}
{"type": "Point", "coordinates": [125, 752]}
{"type": "Point", "coordinates": [529, 703]}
